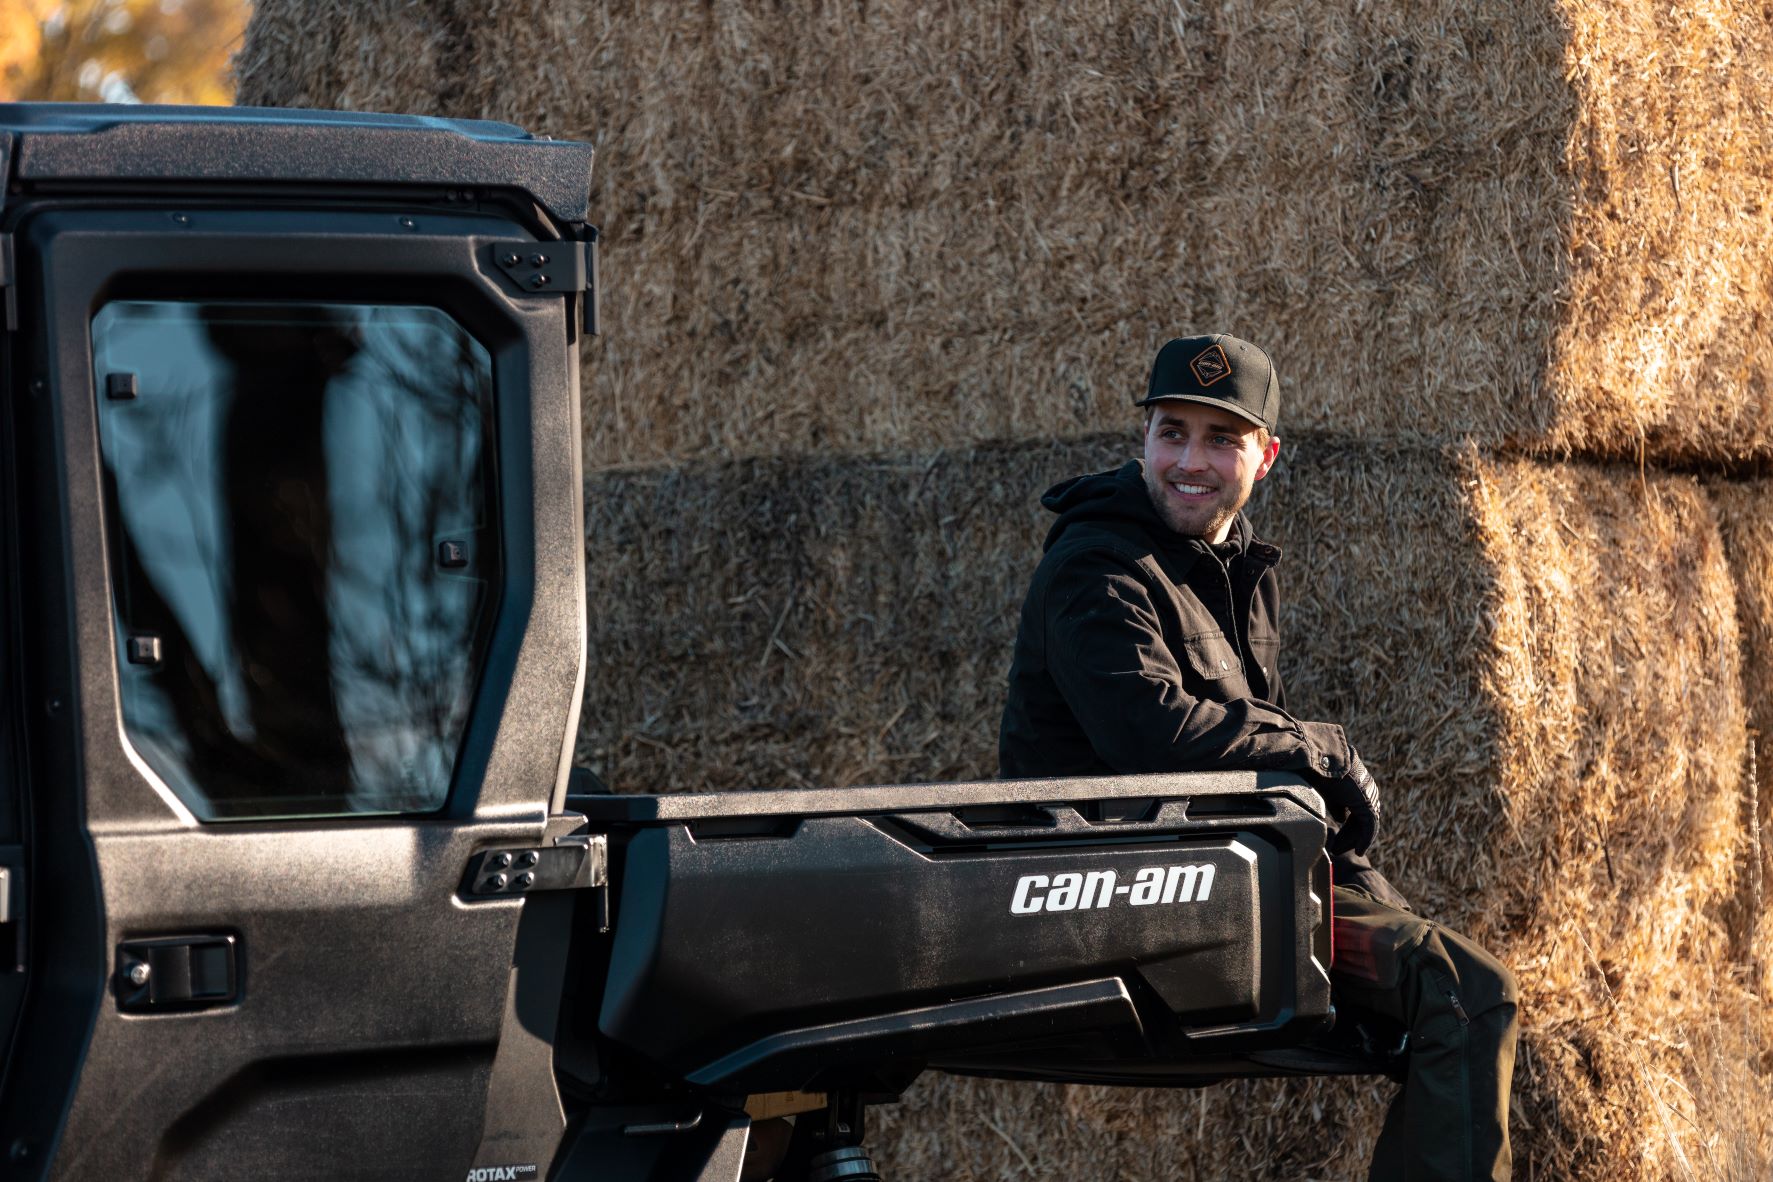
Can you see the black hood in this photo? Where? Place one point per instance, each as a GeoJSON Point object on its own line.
{"type": "Point", "coordinates": [1118, 500]}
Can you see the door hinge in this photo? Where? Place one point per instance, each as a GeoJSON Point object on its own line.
{"type": "Point", "coordinates": [565, 267]}
{"type": "Point", "coordinates": [577, 861]}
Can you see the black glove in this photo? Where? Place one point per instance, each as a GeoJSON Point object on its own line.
{"type": "Point", "coordinates": [1354, 802]}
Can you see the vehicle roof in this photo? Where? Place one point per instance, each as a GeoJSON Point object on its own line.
{"type": "Point", "coordinates": [103, 143]}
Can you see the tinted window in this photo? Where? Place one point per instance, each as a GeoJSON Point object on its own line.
{"type": "Point", "coordinates": [301, 509]}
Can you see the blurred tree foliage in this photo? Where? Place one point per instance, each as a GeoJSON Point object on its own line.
{"type": "Point", "coordinates": [154, 51]}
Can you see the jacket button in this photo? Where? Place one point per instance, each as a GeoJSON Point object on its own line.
{"type": "Point", "coordinates": [1224, 664]}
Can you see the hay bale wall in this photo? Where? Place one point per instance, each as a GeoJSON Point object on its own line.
{"type": "Point", "coordinates": [880, 272]}
{"type": "Point", "coordinates": [895, 225]}
{"type": "Point", "coordinates": [1534, 713]}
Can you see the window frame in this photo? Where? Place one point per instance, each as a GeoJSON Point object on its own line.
{"type": "Point", "coordinates": [93, 257]}
{"type": "Point", "coordinates": [221, 808]}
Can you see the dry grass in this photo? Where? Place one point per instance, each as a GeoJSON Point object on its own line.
{"type": "Point", "coordinates": [1666, 320]}
{"type": "Point", "coordinates": [1745, 515]}
{"type": "Point", "coordinates": [851, 245]}
{"type": "Point", "coordinates": [887, 225]}
{"type": "Point", "coordinates": [958, 217]}
{"type": "Point", "coordinates": [1542, 659]}
{"type": "Point", "coordinates": [1615, 667]}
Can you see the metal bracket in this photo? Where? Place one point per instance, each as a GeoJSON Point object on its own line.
{"type": "Point", "coordinates": [565, 267]}
{"type": "Point", "coordinates": [575, 862]}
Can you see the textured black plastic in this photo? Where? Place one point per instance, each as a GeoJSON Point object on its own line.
{"type": "Point", "coordinates": [371, 1001]}
{"type": "Point", "coordinates": [798, 947]}
{"type": "Point", "coordinates": [106, 144]}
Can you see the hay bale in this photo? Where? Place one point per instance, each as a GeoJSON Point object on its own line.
{"type": "Point", "coordinates": [1667, 311]}
{"type": "Point", "coordinates": [891, 226]}
{"type": "Point", "coordinates": [868, 234]}
{"type": "Point", "coordinates": [1519, 648]}
{"type": "Point", "coordinates": [1745, 515]}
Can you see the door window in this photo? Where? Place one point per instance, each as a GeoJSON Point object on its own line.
{"type": "Point", "coordinates": [301, 506]}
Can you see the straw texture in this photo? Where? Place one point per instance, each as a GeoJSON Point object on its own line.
{"type": "Point", "coordinates": [1745, 515]}
{"type": "Point", "coordinates": [1541, 661]}
{"type": "Point", "coordinates": [879, 226]}
{"type": "Point", "coordinates": [860, 255]}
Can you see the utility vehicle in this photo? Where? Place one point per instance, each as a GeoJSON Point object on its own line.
{"type": "Point", "coordinates": [296, 877]}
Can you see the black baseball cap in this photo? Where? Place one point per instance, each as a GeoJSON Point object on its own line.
{"type": "Point", "coordinates": [1218, 370]}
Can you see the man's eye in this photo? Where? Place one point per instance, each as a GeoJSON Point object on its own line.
{"type": "Point", "coordinates": [1224, 441]}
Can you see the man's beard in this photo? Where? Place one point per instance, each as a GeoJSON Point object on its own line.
{"type": "Point", "coordinates": [1200, 521]}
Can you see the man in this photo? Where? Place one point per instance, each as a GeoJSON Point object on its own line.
{"type": "Point", "coordinates": [1149, 642]}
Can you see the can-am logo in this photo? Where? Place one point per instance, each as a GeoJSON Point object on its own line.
{"type": "Point", "coordinates": [501, 1173]}
{"type": "Point", "coordinates": [1098, 888]}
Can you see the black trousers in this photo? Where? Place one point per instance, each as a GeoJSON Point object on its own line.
{"type": "Point", "coordinates": [1450, 1120]}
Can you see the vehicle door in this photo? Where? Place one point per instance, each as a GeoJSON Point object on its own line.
{"type": "Point", "coordinates": [300, 598]}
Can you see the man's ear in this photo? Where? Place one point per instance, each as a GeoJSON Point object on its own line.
{"type": "Point", "coordinates": [1268, 455]}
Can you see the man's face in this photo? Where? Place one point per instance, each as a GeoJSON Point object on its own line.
{"type": "Point", "coordinates": [1200, 465]}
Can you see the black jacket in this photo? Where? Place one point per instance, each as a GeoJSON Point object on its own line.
{"type": "Point", "coordinates": [1141, 650]}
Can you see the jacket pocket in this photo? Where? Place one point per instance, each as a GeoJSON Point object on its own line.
{"type": "Point", "coordinates": [1211, 656]}
{"type": "Point", "coordinates": [1266, 649]}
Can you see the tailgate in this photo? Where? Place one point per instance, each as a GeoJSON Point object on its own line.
{"type": "Point", "coordinates": [1091, 928]}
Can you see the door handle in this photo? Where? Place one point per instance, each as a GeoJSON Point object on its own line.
{"type": "Point", "coordinates": [178, 973]}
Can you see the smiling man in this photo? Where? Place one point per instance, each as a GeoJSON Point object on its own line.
{"type": "Point", "coordinates": [1149, 642]}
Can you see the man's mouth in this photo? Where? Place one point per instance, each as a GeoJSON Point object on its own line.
{"type": "Point", "coordinates": [1191, 490]}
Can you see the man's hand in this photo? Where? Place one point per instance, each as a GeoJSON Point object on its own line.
{"type": "Point", "coordinates": [1354, 801]}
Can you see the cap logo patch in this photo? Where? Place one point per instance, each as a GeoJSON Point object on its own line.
{"type": "Point", "coordinates": [1211, 366]}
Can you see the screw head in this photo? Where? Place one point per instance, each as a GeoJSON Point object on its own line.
{"type": "Point", "coordinates": [538, 281]}
{"type": "Point", "coordinates": [525, 881]}
{"type": "Point", "coordinates": [528, 858]}
{"type": "Point", "coordinates": [510, 259]}
{"type": "Point", "coordinates": [408, 224]}
{"type": "Point", "coordinates": [538, 260]}
{"type": "Point", "coordinates": [181, 219]}
{"type": "Point", "coordinates": [500, 861]}
{"type": "Point", "coordinates": [139, 974]}
{"type": "Point", "coordinates": [497, 882]}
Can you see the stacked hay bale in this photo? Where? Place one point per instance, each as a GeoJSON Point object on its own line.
{"type": "Point", "coordinates": [879, 273]}
{"type": "Point", "coordinates": [1543, 658]}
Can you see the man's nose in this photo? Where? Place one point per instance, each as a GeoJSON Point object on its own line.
{"type": "Point", "coordinates": [1190, 457]}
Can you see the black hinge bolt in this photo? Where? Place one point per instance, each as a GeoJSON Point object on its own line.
{"type": "Point", "coordinates": [452, 555]}
{"type": "Point", "coordinates": [120, 387]}
{"type": "Point", "coordinates": [144, 650]}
